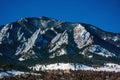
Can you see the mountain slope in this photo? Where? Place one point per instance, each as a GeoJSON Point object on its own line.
{"type": "Point", "coordinates": [43, 40]}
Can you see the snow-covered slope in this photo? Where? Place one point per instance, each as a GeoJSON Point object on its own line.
{"type": "Point", "coordinates": [10, 73]}
{"type": "Point", "coordinates": [43, 40]}
{"type": "Point", "coordinates": [72, 66]}
{"type": "Point", "coordinates": [81, 36]}
{"type": "Point", "coordinates": [14, 73]}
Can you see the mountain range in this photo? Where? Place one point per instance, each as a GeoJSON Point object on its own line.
{"type": "Point", "coordinates": [46, 41]}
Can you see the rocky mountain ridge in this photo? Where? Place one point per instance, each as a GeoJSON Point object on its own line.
{"type": "Point", "coordinates": [43, 40]}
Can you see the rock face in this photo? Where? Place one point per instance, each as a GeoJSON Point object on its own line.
{"type": "Point", "coordinates": [43, 40]}
{"type": "Point", "coordinates": [82, 37]}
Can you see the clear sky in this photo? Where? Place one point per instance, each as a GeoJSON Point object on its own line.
{"type": "Point", "coordinates": [104, 14]}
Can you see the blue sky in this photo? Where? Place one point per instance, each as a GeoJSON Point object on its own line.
{"type": "Point", "coordinates": [104, 14]}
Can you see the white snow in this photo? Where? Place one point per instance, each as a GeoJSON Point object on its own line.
{"type": "Point", "coordinates": [21, 59]}
{"type": "Point", "coordinates": [30, 54]}
{"type": "Point", "coordinates": [90, 56]}
{"type": "Point", "coordinates": [55, 39]}
{"type": "Point", "coordinates": [58, 40]}
{"type": "Point", "coordinates": [29, 44]}
{"type": "Point", "coordinates": [14, 73]}
{"type": "Point", "coordinates": [10, 73]}
{"type": "Point", "coordinates": [19, 35]}
{"type": "Point", "coordinates": [52, 28]}
{"type": "Point", "coordinates": [110, 67]}
{"type": "Point", "coordinates": [115, 38]}
{"type": "Point", "coordinates": [81, 36]}
{"type": "Point", "coordinates": [55, 66]}
{"type": "Point", "coordinates": [1, 54]}
{"type": "Point", "coordinates": [72, 66]}
{"type": "Point", "coordinates": [62, 52]}
{"type": "Point", "coordinates": [104, 38]}
{"type": "Point", "coordinates": [97, 49]}
{"type": "Point", "coordinates": [58, 53]}
{"type": "Point", "coordinates": [3, 32]}
{"type": "Point", "coordinates": [44, 23]}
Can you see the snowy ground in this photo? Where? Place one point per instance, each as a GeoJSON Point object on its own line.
{"type": "Point", "coordinates": [10, 73]}
{"type": "Point", "coordinates": [64, 66]}
{"type": "Point", "coordinates": [14, 73]}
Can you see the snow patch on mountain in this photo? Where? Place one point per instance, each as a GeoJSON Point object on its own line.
{"type": "Point", "coordinates": [112, 38]}
{"type": "Point", "coordinates": [52, 28]}
{"type": "Point", "coordinates": [19, 35]}
{"type": "Point", "coordinates": [90, 56]}
{"type": "Point", "coordinates": [58, 53]}
{"type": "Point", "coordinates": [81, 36]}
{"type": "Point", "coordinates": [115, 38]}
{"type": "Point", "coordinates": [29, 44]}
{"type": "Point", "coordinates": [58, 40]}
{"type": "Point", "coordinates": [30, 54]}
{"type": "Point", "coordinates": [21, 59]}
{"type": "Point", "coordinates": [1, 54]}
{"type": "Point", "coordinates": [97, 49]}
{"type": "Point", "coordinates": [3, 32]}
